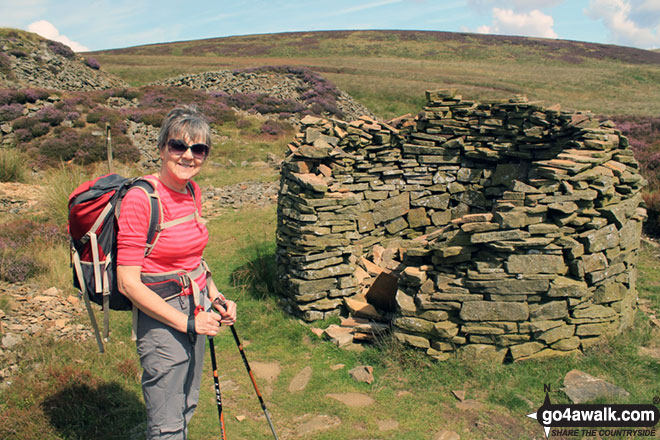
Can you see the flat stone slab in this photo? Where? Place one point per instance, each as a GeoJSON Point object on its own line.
{"type": "Point", "coordinates": [446, 435]}
{"type": "Point", "coordinates": [354, 400]}
{"type": "Point", "coordinates": [650, 352]}
{"type": "Point", "coordinates": [363, 373]}
{"type": "Point", "coordinates": [388, 425]}
{"type": "Point", "coordinates": [300, 381]}
{"type": "Point", "coordinates": [581, 387]}
{"type": "Point", "coordinates": [310, 424]}
{"type": "Point", "coordinates": [268, 371]}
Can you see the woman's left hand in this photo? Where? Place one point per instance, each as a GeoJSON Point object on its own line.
{"type": "Point", "coordinates": [227, 312]}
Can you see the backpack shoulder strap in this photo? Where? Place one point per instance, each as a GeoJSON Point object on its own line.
{"type": "Point", "coordinates": [149, 184]}
{"type": "Point", "coordinates": [198, 215]}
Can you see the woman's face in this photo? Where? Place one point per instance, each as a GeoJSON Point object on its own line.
{"type": "Point", "coordinates": [179, 165]}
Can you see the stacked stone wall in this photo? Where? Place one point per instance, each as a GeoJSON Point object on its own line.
{"type": "Point", "coordinates": [518, 224]}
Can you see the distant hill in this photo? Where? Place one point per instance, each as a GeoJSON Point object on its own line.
{"type": "Point", "coordinates": [28, 60]}
{"type": "Point", "coordinates": [389, 71]}
{"type": "Point", "coordinates": [407, 44]}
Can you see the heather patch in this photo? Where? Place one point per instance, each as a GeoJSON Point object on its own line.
{"type": "Point", "coordinates": [643, 133]}
{"type": "Point", "coordinates": [60, 49]}
{"type": "Point", "coordinates": [275, 128]}
{"type": "Point", "coordinates": [10, 96]}
{"type": "Point", "coordinates": [284, 91]}
{"type": "Point", "coordinates": [50, 115]}
{"type": "Point", "coordinates": [83, 147]}
{"type": "Point", "coordinates": [5, 63]}
{"type": "Point", "coordinates": [92, 63]}
{"type": "Point", "coordinates": [9, 112]}
{"type": "Point", "coordinates": [19, 239]}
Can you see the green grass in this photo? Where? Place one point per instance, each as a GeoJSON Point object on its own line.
{"type": "Point", "coordinates": [389, 72]}
{"type": "Point", "coordinates": [240, 154]}
{"type": "Point", "coordinates": [59, 380]}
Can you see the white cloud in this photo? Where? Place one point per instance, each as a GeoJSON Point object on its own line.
{"type": "Point", "coordinates": [47, 30]}
{"type": "Point", "coordinates": [630, 22]}
{"type": "Point", "coordinates": [531, 24]}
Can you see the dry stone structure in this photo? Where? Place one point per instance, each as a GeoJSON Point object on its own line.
{"type": "Point", "coordinates": [517, 225]}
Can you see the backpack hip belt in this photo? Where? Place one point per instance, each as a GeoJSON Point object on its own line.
{"type": "Point", "coordinates": [170, 285]}
{"type": "Point", "coordinates": [94, 208]}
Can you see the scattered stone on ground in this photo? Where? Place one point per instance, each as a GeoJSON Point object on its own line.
{"type": "Point", "coordinates": [240, 418]}
{"type": "Point", "coordinates": [446, 435]}
{"type": "Point", "coordinates": [308, 424]}
{"type": "Point", "coordinates": [41, 63]}
{"type": "Point", "coordinates": [460, 395]}
{"type": "Point", "coordinates": [268, 371]}
{"type": "Point", "coordinates": [340, 336]}
{"type": "Point", "coordinates": [387, 425]}
{"type": "Point", "coordinates": [581, 387]}
{"type": "Point", "coordinates": [16, 198]}
{"type": "Point", "coordinates": [653, 352]}
{"type": "Point", "coordinates": [32, 313]}
{"type": "Point", "coordinates": [353, 400]}
{"type": "Point", "coordinates": [337, 367]}
{"type": "Point", "coordinates": [280, 85]}
{"type": "Point", "coordinates": [363, 373]}
{"type": "Point", "coordinates": [218, 200]}
{"type": "Point", "coordinates": [470, 404]}
{"type": "Point", "coordinates": [300, 381]}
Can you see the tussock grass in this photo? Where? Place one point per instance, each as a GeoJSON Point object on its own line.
{"type": "Point", "coordinates": [12, 166]}
{"type": "Point", "coordinates": [61, 181]}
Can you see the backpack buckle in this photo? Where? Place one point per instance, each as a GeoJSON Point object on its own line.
{"type": "Point", "coordinates": [185, 280]}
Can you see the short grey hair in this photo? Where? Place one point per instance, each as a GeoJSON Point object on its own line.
{"type": "Point", "coordinates": [184, 120]}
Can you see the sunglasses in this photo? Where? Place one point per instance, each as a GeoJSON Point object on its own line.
{"type": "Point", "coordinates": [178, 147]}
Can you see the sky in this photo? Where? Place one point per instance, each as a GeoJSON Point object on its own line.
{"type": "Point", "coordinates": [110, 24]}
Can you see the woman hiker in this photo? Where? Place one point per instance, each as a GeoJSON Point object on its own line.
{"type": "Point", "coordinates": [170, 352]}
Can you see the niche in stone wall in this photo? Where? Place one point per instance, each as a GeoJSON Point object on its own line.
{"type": "Point", "coordinates": [509, 229]}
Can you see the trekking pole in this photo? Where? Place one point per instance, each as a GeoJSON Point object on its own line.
{"type": "Point", "coordinates": [249, 370]}
{"type": "Point", "coordinates": [218, 398]}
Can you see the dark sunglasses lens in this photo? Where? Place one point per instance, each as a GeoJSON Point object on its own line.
{"type": "Point", "coordinates": [176, 146]}
{"type": "Point", "coordinates": [199, 150]}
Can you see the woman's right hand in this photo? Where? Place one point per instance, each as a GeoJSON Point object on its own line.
{"type": "Point", "coordinates": [207, 323]}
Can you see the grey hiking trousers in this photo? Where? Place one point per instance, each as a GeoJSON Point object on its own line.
{"type": "Point", "coordinates": [172, 372]}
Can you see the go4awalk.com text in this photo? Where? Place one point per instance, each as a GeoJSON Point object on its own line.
{"type": "Point", "coordinates": [597, 420]}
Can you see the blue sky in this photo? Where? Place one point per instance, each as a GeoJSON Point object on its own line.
{"type": "Point", "coordinates": [110, 24]}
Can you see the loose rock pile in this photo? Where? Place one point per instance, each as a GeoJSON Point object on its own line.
{"type": "Point", "coordinates": [519, 225]}
{"type": "Point", "coordinates": [35, 63]}
{"type": "Point", "coordinates": [33, 313]}
{"type": "Point", "coordinates": [272, 83]}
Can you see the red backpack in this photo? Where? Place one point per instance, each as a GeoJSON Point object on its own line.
{"type": "Point", "coordinates": [94, 208]}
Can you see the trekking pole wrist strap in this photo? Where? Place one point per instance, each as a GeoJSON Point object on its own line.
{"type": "Point", "coordinates": [190, 329]}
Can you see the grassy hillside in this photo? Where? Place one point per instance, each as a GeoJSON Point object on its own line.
{"type": "Point", "coordinates": [63, 389]}
{"type": "Point", "coordinates": [388, 71]}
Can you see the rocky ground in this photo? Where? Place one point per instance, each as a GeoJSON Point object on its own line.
{"type": "Point", "coordinates": [280, 85]}
{"type": "Point", "coordinates": [36, 62]}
